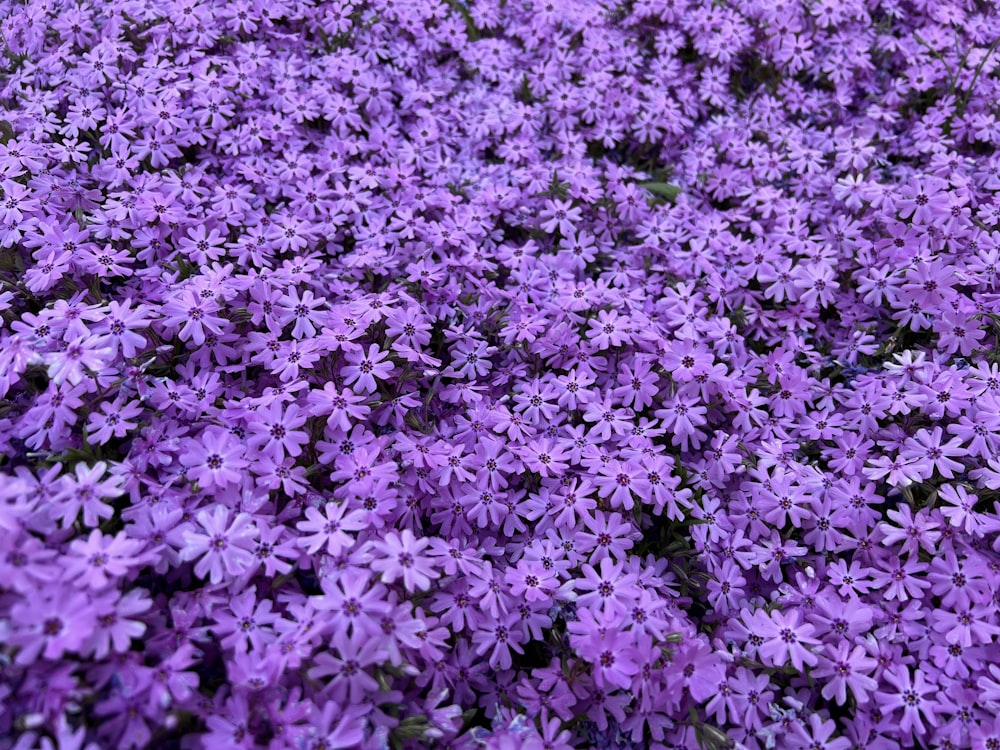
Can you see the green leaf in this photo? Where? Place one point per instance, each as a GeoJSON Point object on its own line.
{"type": "Point", "coordinates": [411, 728]}
{"type": "Point", "coordinates": [662, 189]}
{"type": "Point", "coordinates": [6, 131]}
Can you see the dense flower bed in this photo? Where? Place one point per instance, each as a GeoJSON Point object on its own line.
{"type": "Point", "coordinates": [524, 373]}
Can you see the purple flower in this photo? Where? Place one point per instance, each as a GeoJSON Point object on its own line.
{"type": "Point", "coordinates": [101, 559]}
{"type": "Point", "coordinates": [55, 622]}
{"type": "Point", "coordinates": [116, 628]}
{"type": "Point", "coordinates": [609, 590]}
{"type": "Point", "coordinates": [216, 460]}
{"type": "Point", "coordinates": [846, 667]}
{"type": "Point", "coordinates": [787, 640]}
{"type": "Point", "coordinates": [624, 377]}
{"type": "Point", "coordinates": [501, 638]}
{"type": "Point", "coordinates": [86, 491]}
{"type": "Point", "coordinates": [364, 370]}
{"type": "Point", "coordinates": [403, 556]}
{"type": "Point", "coordinates": [222, 545]}
{"type": "Point", "coordinates": [911, 694]}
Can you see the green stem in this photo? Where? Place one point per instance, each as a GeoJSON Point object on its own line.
{"type": "Point", "coordinates": [952, 77]}
{"type": "Point", "coordinates": [975, 77]}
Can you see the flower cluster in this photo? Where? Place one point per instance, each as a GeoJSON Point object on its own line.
{"type": "Point", "coordinates": [504, 374]}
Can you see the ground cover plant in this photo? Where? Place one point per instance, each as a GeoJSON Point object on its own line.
{"type": "Point", "coordinates": [501, 374]}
